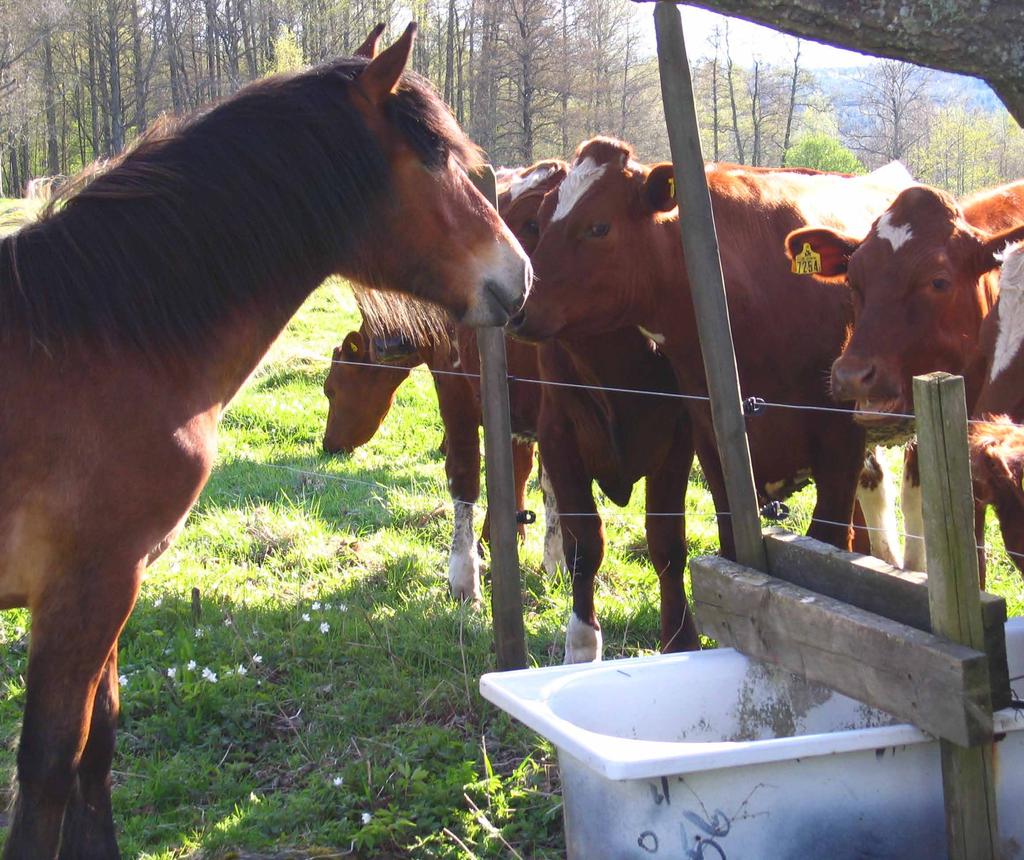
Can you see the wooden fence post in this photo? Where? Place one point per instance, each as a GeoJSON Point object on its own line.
{"type": "Point", "coordinates": [704, 268]}
{"type": "Point", "coordinates": [954, 600]}
{"type": "Point", "coordinates": [506, 585]}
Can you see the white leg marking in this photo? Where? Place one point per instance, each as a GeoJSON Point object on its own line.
{"type": "Point", "coordinates": [463, 563]}
{"type": "Point", "coordinates": [913, 525]}
{"type": "Point", "coordinates": [583, 644]}
{"type": "Point", "coordinates": [554, 554]}
{"type": "Point", "coordinates": [880, 517]}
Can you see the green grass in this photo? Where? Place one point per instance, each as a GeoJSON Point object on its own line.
{"type": "Point", "coordinates": [345, 713]}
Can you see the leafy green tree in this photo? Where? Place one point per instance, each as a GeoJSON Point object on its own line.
{"type": "Point", "coordinates": [821, 152]}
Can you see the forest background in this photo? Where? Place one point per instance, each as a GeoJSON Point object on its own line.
{"type": "Point", "coordinates": [79, 79]}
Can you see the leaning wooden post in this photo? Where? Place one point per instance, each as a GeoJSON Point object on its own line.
{"type": "Point", "coordinates": [506, 586]}
{"type": "Point", "coordinates": [954, 600]}
{"type": "Point", "coordinates": [704, 269]}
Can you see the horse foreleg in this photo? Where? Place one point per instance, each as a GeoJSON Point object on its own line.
{"type": "Point", "coordinates": [74, 632]}
{"type": "Point", "coordinates": [666, 541]}
{"type": "Point", "coordinates": [88, 832]}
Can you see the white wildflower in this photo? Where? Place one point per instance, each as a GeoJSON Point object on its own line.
{"type": "Point", "coordinates": [242, 670]}
{"type": "Point", "coordinates": [122, 680]}
{"type": "Point", "coordinates": [209, 675]}
{"type": "Point", "coordinates": [366, 817]}
{"type": "Point", "coordinates": [172, 672]}
{"type": "Point", "coordinates": [191, 665]}
{"type": "Point", "coordinates": [325, 627]}
{"type": "Point", "coordinates": [199, 633]}
{"type": "Point", "coordinates": [305, 616]}
{"type": "Point", "coordinates": [158, 602]}
{"type": "Point", "coordinates": [257, 659]}
{"type": "Point", "coordinates": [338, 780]}
{"type": "Point", "coordinates": [316, 605]}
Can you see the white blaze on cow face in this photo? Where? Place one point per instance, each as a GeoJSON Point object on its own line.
{"type": "Point", "coordinates": [1011, 309]}
{"type": "Point", "coordinates": [463, 562]}
{"type": "Point", "coordinates": [896, 235]}
{"type": "Point", "coordinates": [521, 184]}
{"type": "Point", "coordinates": [575, 185]}
{"type": "Point", "coordinates": [583, 643]}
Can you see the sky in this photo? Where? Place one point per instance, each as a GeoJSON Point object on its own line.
{"type": "Point", "coordinates": [749, 39]}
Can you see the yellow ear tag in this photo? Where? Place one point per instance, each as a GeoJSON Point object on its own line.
{"type": "Point", "coordinates": [672, 187]}
{"type": "Point", "coordinates": [352, 347]}
{"type": "Point", "coordinates": [807, 262]}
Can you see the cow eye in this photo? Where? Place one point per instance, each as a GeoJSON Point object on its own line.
{"type": "Point", "coordinates": [599, 231]}
{"type": "Point", "coordinates": [941, 285]}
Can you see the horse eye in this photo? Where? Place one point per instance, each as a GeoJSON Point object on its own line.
{"type": "Point", "coordinates": [532, 226]}
{"type": "Point", "coordinates": [599, 231]}
{"type": "Point", "coordinates": [940, 285]}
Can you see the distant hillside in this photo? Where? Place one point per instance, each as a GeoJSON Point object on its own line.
{"type": "Point", "coordinates": [842, 85]}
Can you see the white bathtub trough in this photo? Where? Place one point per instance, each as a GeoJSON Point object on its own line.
{"type": "Point", "coordinates": [712, 756]}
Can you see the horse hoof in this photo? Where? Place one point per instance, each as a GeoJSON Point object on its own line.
{"type": "Point", "coordinates": [583, 643]}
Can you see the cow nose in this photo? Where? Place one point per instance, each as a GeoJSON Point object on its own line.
{"type": "Point", "coordinates": [853, 378]}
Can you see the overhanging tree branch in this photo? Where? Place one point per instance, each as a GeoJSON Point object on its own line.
{"type": "Point", "coordinates": [985, 40]}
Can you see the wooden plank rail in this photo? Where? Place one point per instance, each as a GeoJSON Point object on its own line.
{"type": "Point", "coordinates": [938, 685]}
{"type": "Point", "coordinates": [506, 584]}
{"type": "Point", "coordinates": [876, 586]}
{"type": "Point", "coordinates": [967, 774]}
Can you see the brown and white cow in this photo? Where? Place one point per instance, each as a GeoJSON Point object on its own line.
{"type": "Point", "coordinates": [997, 445]}
{"type": "Point", "coordinates": [922, 282]}
{"type": "Point", "coordinates": [610, 256]}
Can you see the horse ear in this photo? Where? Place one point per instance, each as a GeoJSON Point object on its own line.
{"type": "Point", "coordinates": [369, 47]}
{"type": "Point", "coordinates": [990, 253]}
{"type": "Point", "coordinates": [820, 252]}
{"type": "Point", "coordinates": [380, 78]}
{"type": "Point", "coordinates": [660, 188]}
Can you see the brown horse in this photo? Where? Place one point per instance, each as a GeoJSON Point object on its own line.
{"type": "Point", "coordinates": [140, 306]}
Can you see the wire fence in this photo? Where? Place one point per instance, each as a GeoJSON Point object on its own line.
{"type": "Point", "coordinates": [753, 406]}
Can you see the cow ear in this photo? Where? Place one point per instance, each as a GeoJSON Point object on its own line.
{"type": "Point", "coordinates": [369, 47]}
{"type": "Point", "coordinates": [660, 188]}
{"type": "Point", "coordinates": [380, 78]}
{"type": "Point", "coordinates": [820, 252]}
{"type": "Point", "coordinates": [352, 347]}
{"type": "Point", "coordinates": [990, 252]}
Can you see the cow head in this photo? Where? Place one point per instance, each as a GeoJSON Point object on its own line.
{"type": "Point", "coordinates": [997, 466]}
{"type": "Point", "coordinates": [520, 197]}
{"type": "Point", "coordinates": [597, 231]}
{"type": "Point", "coordinates": [921, 288]}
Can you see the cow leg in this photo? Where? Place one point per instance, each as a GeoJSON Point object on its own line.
{"type": "Point", "coordinates": [836, 468]}
{"type": "Point", "coordinates": [89, 820]}
{"type": "Point", "coordinates": [74, 632]}
{"type": "Point", "coordinates": [913, 515]}
{"type": "Point", "coordinates": [462, 466]}
{"type": "Point", "coordinates": [522, 466]}
{"type": "Point", "coordinates": [582, 534]}
{"type": "Point", "coordinates": [707, 453]}
{"type": "Point", "coordinates": [554, 555]}
{"type": "Point", "coordinates": [666, 541]}
{"type": "Point", "coordinates": [874, 495]}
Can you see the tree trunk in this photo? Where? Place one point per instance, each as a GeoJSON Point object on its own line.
{"type": "Point", "coordinates": [794, 82]}
{"type": "Point", "coordinates": [172, 60]}
{"type": "Point", "coordinates": [965, 36]}
{"type": "Point", "coordinates": [732, 99]}
{"type": "Point", "coordinates": [114, 54]}
{"type": "Point", "coordinates": [52, 154]}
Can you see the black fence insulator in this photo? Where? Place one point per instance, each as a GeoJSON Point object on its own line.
{"type": "Point", "coordinates": [753, 406]}
{"type": "Point", "coordinates": [525, 518]}
{"type": "Point", "coordinates": [775, 511]}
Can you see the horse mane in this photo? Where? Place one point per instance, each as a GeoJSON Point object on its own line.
{"type": "Point", "coordinates": [256, 199]}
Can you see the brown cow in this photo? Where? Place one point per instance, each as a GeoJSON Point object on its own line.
{"type": "Point", "coordinates": [610, 255]}
{"type": "Point", "coordinates": [923, 280]}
